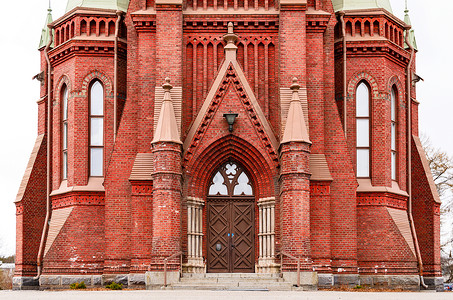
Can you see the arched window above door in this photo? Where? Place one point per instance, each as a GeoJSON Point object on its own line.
{"type": "Point", "coordinates": [230, 180]}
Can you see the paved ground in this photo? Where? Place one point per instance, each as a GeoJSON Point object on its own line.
{"type": "Point", "coordinates": [216, 295]}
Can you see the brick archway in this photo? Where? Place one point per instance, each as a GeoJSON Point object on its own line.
{"type": "Point", "coordinates": [198, 176]}
{"type": "Point", "coordinates": [230, 147]}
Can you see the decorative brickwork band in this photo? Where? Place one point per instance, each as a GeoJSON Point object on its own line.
{"type": "Point", "coordinates": [382, 199]}
{"type": "Point", "coordinates": [96, 75]}
{"type": "Point", "coordinates": [359, 77]}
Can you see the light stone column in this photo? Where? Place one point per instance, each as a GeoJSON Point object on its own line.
{"type": "Point", "coordinates": [266, 260]}
{"type": "Point", "coordinates": [195, 262]}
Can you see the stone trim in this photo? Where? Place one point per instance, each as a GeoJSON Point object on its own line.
{"type": "Point", "coordinates": [401, 221]}
{"type": "Point", "coordinates": [394, 80]}
{"type": "Point", "coordinates": [266, 235]}
{"type": "Point", "coordinates": [195, 263]}
{"type": "Point", "coordinates": [143, 167]}
{"type": "Point", "coordinates": [57, 221]}
{"type": "Point", "coordinates": [319, 168]}
{"type": "Point", "coordinates": [285, 100]}
{"type": "Point", "coordinates": [365, 186]}
{"type": "Point", "coordinates": [95, 184]}
{"type": "Point", "coordinates": [426, 169]}
{"type": "Point", "coordinates": [106, 82]}
{"type": "Point", "coordinates": [353, 82]}
{"type": "Point", "coordinates": [64, 79]}
{"type": "Point", "coordinates": [29, 169]}
{"type": "Point", "coordinates": [176, 99]}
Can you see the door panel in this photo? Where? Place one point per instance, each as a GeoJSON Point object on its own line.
{"type": "Point", "coordinates": [231, 236]}
{"type": "Point", "coordinates": [243, 239]}
{"type": "Point", "coordinates": [218, 218]}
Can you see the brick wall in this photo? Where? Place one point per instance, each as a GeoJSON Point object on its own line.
{"type": "Point", "coordinates": [323, 221]}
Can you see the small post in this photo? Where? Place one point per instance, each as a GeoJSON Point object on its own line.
{"type": "Point", "coordinates": [298, 272]}
{"type": "Point", "coordinates": [180, 265]}
{"type": "Point", "coordinates": [281, 265]}
{"type": "Point", "coordinates": [165, 272]}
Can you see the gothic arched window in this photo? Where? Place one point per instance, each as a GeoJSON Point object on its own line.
{"type": "Point", "coordinates": [230, 180]}
{"type": "Point", "coordinates": [64, 132]}
{"type": "Point", "coordinates": [363, 130]}
{"type": "Point", "coordinates": [96, 129]}
{"type": "Point", "coordinates": [393, 120]}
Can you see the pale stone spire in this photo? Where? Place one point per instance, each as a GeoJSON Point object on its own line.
{"type": "Point", "coordinates": [167, 128]}
{"type": "Point", "coordinates": [230, 38]}
{"type": "Point", "coordinates": [295, 129]}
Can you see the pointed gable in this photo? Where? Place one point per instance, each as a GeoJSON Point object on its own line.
{"type": "Point", "coordinates": [232, 78]}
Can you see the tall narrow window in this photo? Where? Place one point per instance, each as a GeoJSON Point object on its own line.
{"type": "Point", "coordinates": [96, 129]}
{"type": "Point", "coordinates": [64, 133]}
{"type": "Point", "coordinates": [393, 117]}
{"type": "Point", "coordinates": [363, 130]}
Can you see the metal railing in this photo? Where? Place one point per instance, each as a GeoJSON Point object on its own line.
{"type": "Point", "coordinates": [166, 261]}
{"type": "Point", "coordinates": [281, 253]}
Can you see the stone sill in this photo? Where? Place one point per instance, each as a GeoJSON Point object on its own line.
{"type": "Point", "coordinates": [365, 186]}
{"type": "Point", "coordinates": [95, 184]}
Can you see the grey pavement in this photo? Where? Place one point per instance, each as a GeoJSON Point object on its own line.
{"type": "Point", "coordinates": [216, 295]}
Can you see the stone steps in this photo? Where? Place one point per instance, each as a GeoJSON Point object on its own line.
{"type": "Point", "coordinates": [231, 281]}
{"type": "Point", "coordinates": [230, 275]}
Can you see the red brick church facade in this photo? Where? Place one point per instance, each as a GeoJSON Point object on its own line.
{"type": "Point", "coordinates": [135, 160]}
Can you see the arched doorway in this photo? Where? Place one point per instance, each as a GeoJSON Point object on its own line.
{"type": "Point", "coordinates": [230, 221]}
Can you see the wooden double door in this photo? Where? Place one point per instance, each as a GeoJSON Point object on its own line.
{"type": "Point", "coordinates": [231, 236]}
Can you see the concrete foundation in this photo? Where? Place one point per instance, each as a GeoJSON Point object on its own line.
{"type": "Point", "coordinates": [308, 280]}
{"type": "Point", "coordinates": [435, 283]}
{"type": "Point", "coordinates": [406, 282]}
{"type": "Point", "coordinates": [325, 280]}
{"type": "Point", "coordinates": [349, 280]}
{"type": "Point", "coordinates": [155, 280]}
{"type": "Point", "coordinates": [25, 283]}
{"type": "Point", "coordinates": [64, 281]}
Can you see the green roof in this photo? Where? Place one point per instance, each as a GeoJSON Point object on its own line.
{"type": "Point", "coordinates": [106, 4]}
{"type": "Point", "coordinates": [361, 4]}
{"type": "Point", "coordinates": [45, 34]}
{"type": "Point", "coordinates": [407, 20]}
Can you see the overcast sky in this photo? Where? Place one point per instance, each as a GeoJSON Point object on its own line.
{"type": "Point", "coordinates": [21, 24]}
